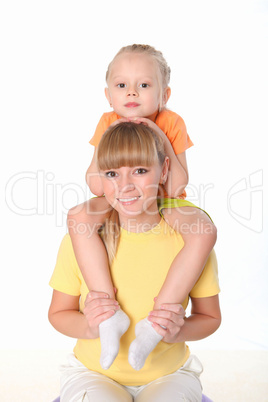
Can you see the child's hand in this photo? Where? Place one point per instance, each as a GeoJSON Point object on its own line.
{"type": "Point", "coordinates": [122, 120]}
{"type": "Point", "coordinates": [98, 307]}
{"type": "Point", "coordinates": [168, 321]}
{"type": "Point", "coordinates": [149, 123]}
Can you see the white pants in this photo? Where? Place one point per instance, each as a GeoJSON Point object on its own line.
{"type": "Point", "coordinates": [78, 384]}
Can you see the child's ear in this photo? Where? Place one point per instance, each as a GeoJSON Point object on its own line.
{"type": "Point", "coordinates": [166, 95]}
{"type": "Point", "coordinates": [108, 96]}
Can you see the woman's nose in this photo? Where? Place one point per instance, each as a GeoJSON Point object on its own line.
{"type": "Point", "coordinates": [126, 186]}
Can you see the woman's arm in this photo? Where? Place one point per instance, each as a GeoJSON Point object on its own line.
{"type": "Point", "coordinates": [65, 317]}
{"type": "Point", "coordinates": [205, 319]}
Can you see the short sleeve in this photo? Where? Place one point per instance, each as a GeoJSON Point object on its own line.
{"type": "Point", "coordinates": [105, 121]}
{"type": "Point", "coordinates": [175, 129]}
{"type": "Point", "coordinates": [66, 276]}
{"type": "Point", "coordinates": [208, 282]}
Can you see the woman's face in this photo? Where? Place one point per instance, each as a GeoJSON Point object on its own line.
{"type": "Point", "coordinates": [132, 191]}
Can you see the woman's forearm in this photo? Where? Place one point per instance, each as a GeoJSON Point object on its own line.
{"type": "Point", "coordinates": [70, 323]}
{"type": "Point", "coordinates": [198, 326]}
{"type": "Point", "coordinates": [205, 319]}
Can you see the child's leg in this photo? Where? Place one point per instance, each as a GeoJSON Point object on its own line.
{"type": "Point", "coordinates": [83, 222]}
{"type": "Point", "coordinates": [199, 235]}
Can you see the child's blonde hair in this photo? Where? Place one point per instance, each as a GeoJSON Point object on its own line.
{"type": "Point", "coordinates": [126, 144]}
{"type": "Point", "coordinates": [159, 60]}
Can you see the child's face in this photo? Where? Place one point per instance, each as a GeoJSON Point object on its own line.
{"type": "Point", "coordinates": [133, 86]}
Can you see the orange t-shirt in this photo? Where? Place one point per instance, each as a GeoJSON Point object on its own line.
{"type": "Point", "coordinates": [169, 122]}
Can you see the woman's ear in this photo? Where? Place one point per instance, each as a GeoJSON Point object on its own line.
{"type": "Point", "coordinates": [165, 169]}
{"type": "Point", "coordinates": [108, 96]}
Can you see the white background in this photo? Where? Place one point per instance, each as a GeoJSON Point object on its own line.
{"type": "Point", "coordinates": [54, 56]}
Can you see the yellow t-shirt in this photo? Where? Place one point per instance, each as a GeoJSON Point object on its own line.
{"type": "Point", "coordinates": [138, 272]}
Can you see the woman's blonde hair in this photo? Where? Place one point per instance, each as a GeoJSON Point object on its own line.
{"type": "Point", "coordinates": [126, 144]}
{"type": "Point", "coordinates": [164, 69]}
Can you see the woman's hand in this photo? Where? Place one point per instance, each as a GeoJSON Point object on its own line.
{"type": "Point", "coordinates": [98, 308]}
{"type": "Point", "coordinates": [204, 320]}
{"type": "Point", "coordinates": [168, 321]}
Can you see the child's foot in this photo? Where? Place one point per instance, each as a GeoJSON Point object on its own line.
{"type": "Point", "coordinates": [146, 340]}
{"type": "Point", "coordinates": [111, 331]}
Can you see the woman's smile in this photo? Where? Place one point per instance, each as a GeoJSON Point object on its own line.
{"type": "Point", "coordinates": [128, 200]}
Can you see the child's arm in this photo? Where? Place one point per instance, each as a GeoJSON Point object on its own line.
{"type": "Point", "coordinates": [83, 223]}
{"type": "Point", "coordinates": [178, 175]}
{"type": "Point", "coordinates": [178, 172]}
{"type": "Point", "coordinates": [199, 235]}
{"type": "Point", "coordinates": [93, 178]}
{"type": "Point", "coordinates": [204, 320]}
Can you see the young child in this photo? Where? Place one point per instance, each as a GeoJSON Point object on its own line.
{"type": "Point", "coordinates": [137, 90]}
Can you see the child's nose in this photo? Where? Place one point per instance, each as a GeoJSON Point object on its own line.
{"type": "Point", "coordinates": [132, 92]}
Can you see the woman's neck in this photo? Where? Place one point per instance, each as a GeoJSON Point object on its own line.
{"type": "Point", "coordinates": [137, 225]}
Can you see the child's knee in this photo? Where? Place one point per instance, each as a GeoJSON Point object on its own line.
{"type": "Point", "coordinates": [202, 233]}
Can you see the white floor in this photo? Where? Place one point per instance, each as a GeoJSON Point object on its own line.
{"type": "Point", "coordinates": [229, 376]}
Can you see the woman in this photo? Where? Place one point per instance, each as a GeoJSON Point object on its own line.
{"type": "Point", "coordinates": [141, 248]}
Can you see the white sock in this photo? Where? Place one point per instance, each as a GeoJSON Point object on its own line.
{"type": "Point", "coordinates": [110, 332]}
{"type": "Point", "coordinates": [146, 340]}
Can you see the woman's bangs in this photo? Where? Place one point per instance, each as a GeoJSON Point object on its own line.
{"type": "Point", "coordinates": [127, 148]}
